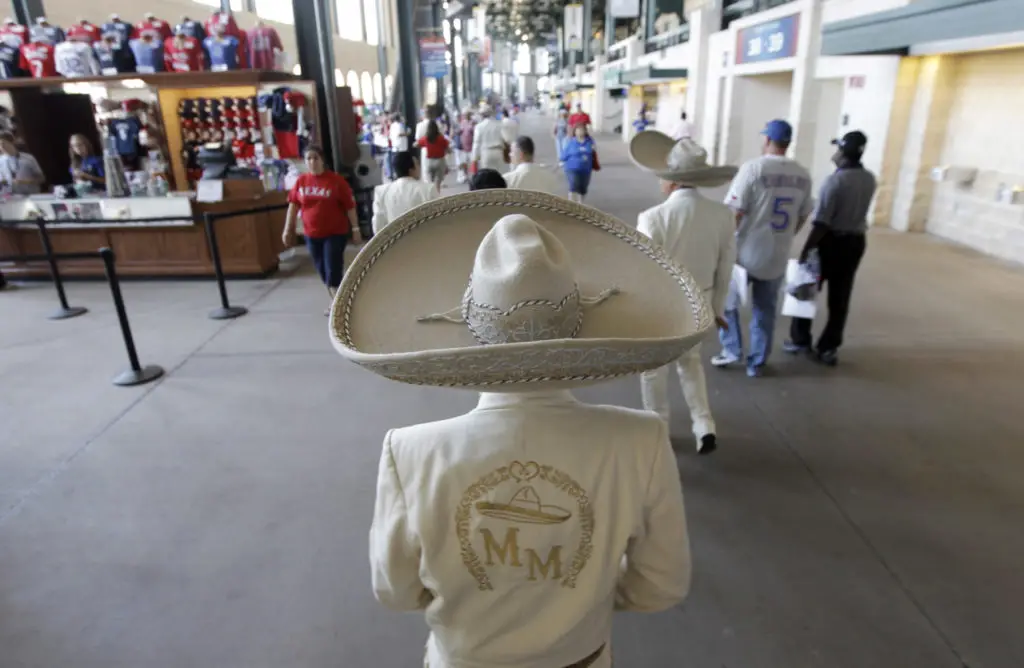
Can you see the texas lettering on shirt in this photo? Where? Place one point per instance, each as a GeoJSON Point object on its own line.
{"type": "Point", "coordinates": [37, 59]}
{"type": "Point", "coordinates": [182, 54]}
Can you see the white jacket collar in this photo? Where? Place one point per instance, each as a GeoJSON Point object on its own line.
{"type": "Point", "coordinates": [683, 193]}
{"type": "Point", "coordinates": [506, 399]}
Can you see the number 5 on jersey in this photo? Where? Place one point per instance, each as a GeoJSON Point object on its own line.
{"type": "Point", "coordinates": [780, 213]}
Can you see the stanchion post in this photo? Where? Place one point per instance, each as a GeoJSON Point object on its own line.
{"type": "Point", "coordinates": [65, 311]}
{"type": "Point", "coordinates": [226, 310]}
{"type": "Point", "coordinates": [137, 374]}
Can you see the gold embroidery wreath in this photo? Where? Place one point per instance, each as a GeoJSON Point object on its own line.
{"type": "Point", "coordinates": [515, 470]}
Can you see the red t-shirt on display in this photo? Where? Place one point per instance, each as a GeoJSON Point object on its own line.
{"type": "Point", "coordinates": [160, 30]}
{"type": "Point", "coordinates": [14, 32]}
{"type": "Point", "coordinates": [186, 58]}
{"type": "Point", "coordinates": [324, 201]}
{"type": "Point", "coordinates": [37, 59]}
{"type": "Point", "coordinates": [263, 40]}
{"type": "Point", "coordinates": [84, 32]}
{"type": "Point", "coordinates": [435, 149]}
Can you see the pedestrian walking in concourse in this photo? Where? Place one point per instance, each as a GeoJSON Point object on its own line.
{"type": "Point", "coordinates": [324, 201]}
{"type": "Point", "coordinates": [579, 160]}
{"type": "Point", "coordinates": [771, 198]}
{"type": "Point", "coordinates": [840, 223]}
{"type": "Point", "coordinates": [699, 235]}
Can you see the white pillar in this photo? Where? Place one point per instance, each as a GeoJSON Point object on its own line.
{"type": "Point", "coordinates": [804, 96]}
{"type": "Point", "coordinates": [703, 23]}
{"type": "Point", "coordinates": [634, 49]}
{"type": "Point", "coordinates": [600, 93]}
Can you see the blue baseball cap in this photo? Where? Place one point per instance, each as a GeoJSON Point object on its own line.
{"type": "Point", "coordinates": [778, 130]}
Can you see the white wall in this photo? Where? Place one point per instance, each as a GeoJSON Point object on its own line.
{"type": "Point", "coordinates": [827, 128]}
{"type": "Point", "coordinates": [757, 100]}
{"type": "Point", "coordinates": [840, 10]}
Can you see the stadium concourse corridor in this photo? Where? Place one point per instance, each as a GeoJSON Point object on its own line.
{"type": "Point", "coordinates": [870, 515]}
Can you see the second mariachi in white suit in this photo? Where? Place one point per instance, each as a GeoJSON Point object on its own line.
{"type": "Point", "coordinates": [520, 527]}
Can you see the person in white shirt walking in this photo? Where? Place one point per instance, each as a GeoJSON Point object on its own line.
{"type": "Point", "coordinates": [683, 129]}
{"type": "Point", "coordinates": [528, 175]}
{"type": "Point", "coordinates": [489, 142]}
{"type": "Point", "coordinates": [510, 127]}
{"type": "Point", "coordinates": [556, 513]}
{"type": "Point", "coordinates": [698, 234]}
{"type": "Point", "coordinates": [406, 192]}
{"type": "Point", "coordinates": [399, 136]}
{"type": "Point", "coordinates": [771, 197]}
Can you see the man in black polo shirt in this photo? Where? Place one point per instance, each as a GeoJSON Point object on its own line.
{"type": "Point", "coordinates": [840, 224]}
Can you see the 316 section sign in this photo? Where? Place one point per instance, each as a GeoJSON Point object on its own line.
{"type": "Point", "coordinates": [768, 41]}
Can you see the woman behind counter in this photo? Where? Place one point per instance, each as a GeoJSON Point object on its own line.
{"type": "Point", "coordinates": [86, 167]}
{"type": "Point", "coordinates": [20, 174]}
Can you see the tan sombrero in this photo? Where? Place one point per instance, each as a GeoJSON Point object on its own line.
{"type": "Point", "coordinates": [683, 161]}
{"type": "Point", "coordinates": [512, 290]}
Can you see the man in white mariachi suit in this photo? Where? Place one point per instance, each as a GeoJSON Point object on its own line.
{"type": "Point", "coordinates": [521, 526]}
{"type": "Point", "coordinates": [700, 235]}
{"type": "Point", "coordinates": [489, 142]}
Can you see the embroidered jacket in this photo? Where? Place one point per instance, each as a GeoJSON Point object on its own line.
{"type": "Point", "coordinates": [519, 527]}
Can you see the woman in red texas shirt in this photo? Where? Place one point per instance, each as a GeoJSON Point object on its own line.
{"type": "Point", "coordinates": [437, 149]}
{"type": "Point", "coordinates": [324, 200]}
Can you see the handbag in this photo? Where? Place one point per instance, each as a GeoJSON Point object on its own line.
{"type": "Point", "coordinates": [597, 163]}
{"type": "Point", "coordinates": [506, 152]}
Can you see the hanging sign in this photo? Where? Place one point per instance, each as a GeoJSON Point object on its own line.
{"type": "Point", "coordinates": [432, 57]}
{"type": "Point", "coordinates": [624, 9]}
{"type": "Point", "coordinates": [574, 27]}
{"type": "Point", "coordinates": [484, 57]}
{"type": "Point", "coordinates": [771, 40]}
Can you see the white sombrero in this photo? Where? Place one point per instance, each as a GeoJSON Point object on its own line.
{"type": "Point", "coordinates": [512, 290]}
{"type": "Point", "coordinates": [683, 161]}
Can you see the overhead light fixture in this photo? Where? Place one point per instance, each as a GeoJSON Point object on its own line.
{"type": "Point", "coordinates": [133, 83]}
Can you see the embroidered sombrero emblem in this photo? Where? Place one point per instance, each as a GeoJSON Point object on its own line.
{"type": "Point", "coordinates": [525, 506]}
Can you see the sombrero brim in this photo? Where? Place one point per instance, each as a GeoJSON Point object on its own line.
{"type": "Point", "coordinates": [649, 150]}
{"type": "Point", "coordinates": [420, 264]}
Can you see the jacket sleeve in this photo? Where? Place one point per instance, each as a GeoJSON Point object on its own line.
{"type": "Point", "coordinates": [394, 550]}
{"type": "Point", "coordinates": [723, 271]}
{"type": "Point", "coordinates": [380, 218]}
{"type": "Point", "coordinates": [645, 225]}
{"type": "Point", "coordinates": [656, 567]}
{"type": "Point", "coordinates": [476, 143]}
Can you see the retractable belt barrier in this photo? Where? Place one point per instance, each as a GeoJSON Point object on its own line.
{"type": "Point", "coordinates": [136, 374]}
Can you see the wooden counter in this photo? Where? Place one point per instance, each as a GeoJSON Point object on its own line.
{"type": "Point", "coordinates": [249, 244]}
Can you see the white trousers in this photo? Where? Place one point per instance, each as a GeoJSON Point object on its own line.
{"type": "Point", "coordinates": [493, 158]}
{"type": "Point", "coordinates": [654, 388]}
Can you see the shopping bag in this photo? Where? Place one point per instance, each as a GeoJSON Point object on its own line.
{"type": "Point", "coordinates": [800, 281]}
{"type": "Point", "coordinates": [739, 289]}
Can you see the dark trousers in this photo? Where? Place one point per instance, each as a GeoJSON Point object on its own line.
{"type": "Point", "coordinates": [840, 257]}
{"type": "Point", "coordinates": [328, 255]}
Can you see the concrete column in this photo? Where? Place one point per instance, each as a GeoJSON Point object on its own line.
{"type": "Point", "coordinates": [600, 95]}
{"type": "Point", "coordinates": [703, 23]}
{"type": "Point", "coordinates": [314, 35]}
{"type": "Point", "coordinates": [27, 11]}
{"type": "Point", "coordinates": [924, 96]}
{"type": "Point", "coordinates": [408, 56]}
{"type": "Point", "coordinates": [806, 91]}
{"type": "Point", "coordinates": [631, 107]}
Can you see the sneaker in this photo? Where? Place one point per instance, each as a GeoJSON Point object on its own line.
{"type": "Point", "coordinates": [755, 371]}
{"type": "Point", "coordinates": [724, 358]}
{"type": "Point", "coordinates": [708, 444]}
{"type": "Point", "coordinates": [828, 357]}
{"type": "Point", "coordinates": [795, 348]}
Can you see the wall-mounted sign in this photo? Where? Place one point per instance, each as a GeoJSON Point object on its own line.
{"type": "Point", "coordinates": [574, 27]}
{"type": "Point", "coordinates": [771, 40]}
{"type": "Point", "coordinates": [624, 9]}
{"type": "Point", "coordinates": [857, 81]}
{"type": "Point", "coordinates": [432, 57]}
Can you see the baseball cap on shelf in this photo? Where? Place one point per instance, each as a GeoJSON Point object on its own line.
{"type": "Point", "coordinates": [778, 130]}
{"type": "Point", "coordinates": [852, 143]}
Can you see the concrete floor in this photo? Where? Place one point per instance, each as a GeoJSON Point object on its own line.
{"type": "Point", "coordinates": [866, 516]}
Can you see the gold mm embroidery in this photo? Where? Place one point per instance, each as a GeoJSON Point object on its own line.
{"type": "Point", "coordinates": [475, 494]}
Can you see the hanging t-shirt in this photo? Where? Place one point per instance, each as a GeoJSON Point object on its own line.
{"type": "Point", "coordinates": [14, 34]}
{"type": "Point", "coordinates": [48, 33]}
{"type": "Point", "coordinates": [120, 28]}
{"type": "Point", "coordinates": [193, 29]}
{"type": "Point", "coordinates": [10, 61]}
{"type": "Point", "coordinates": [183, 55]}
{"type": "Point", "coordinates": [37, 60]}
{"type": "Point", "coordinates": [263, 40]}
{"type": "Point", "coordinates": [114, 59]}
{"type": "Point", "coordinates": [125, 132]}
{"type": "Point", "coordinates": [324, 201]}
{"type": "Point", "coordinates": [223, 53]}
{"type": "Point", "coordinates": [84, 32]}
{"type": "Point", "coordinates": [75, 59]}
{"type": "Point", "coordinates": [155, 28]}
{"type": "Point", "coordinates": [231, 29]}
{"type": "Point", "coordinates": [149, 55]}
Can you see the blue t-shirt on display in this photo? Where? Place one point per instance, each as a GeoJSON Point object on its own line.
{"type": "Point", "coordinates": [577, 155]}
{"type": "Point", "coordinates": [149, 56]}
{"type": "Point", "coordinates": [122, 29]}
{"type": "Point", "coordinates": [223, 53]}
{"type": "Point", "coordinates": [125, 132]}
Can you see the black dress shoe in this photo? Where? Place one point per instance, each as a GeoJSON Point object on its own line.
{"type": "Point", "coordinates": [708, 444]}
{"type": "Point", "coordinates": [828, 357]}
